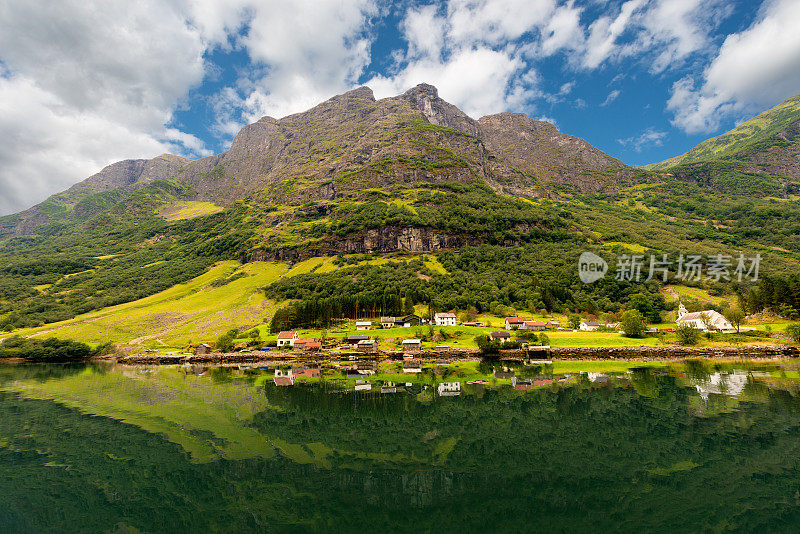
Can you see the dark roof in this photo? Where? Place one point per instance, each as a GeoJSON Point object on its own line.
{"type": "Point", "coordinates": [357, 338]}
{"type": "Point", "coordinates": [499, 334]}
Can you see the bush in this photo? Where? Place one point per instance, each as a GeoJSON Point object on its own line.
{"type": "Point", "coordinates": [53, 349]}
{"type": "Point", "coordinates": [687, 335]}
{"type": "Point", "coordinates": [794, 332]}
{"type": "Point", "coordinates": [633, 323]}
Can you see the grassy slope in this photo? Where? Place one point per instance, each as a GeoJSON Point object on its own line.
{"type": "Point", "coordinates": [188, 209]}
{"type": "Point", "coordinates": [187, 312]}
{"type": "Point", "coordinates": [755, 131]}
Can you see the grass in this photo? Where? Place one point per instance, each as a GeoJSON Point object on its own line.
{"type": "Point", "coordinates": [191, 312]}
{"type": "Point", "coordinates": [188, 209]}
{"type": "Point", "coordinates": [695, 293]}
{"type": "Point", "coordinates": [630, 246]}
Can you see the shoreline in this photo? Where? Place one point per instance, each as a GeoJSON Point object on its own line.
{"type": "Point", "coordinates": [554, 353]}
{"type": "Point", "coordinates": [639, 353]}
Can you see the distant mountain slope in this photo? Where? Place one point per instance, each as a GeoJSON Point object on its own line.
{"type": "Point", "coordinates": [123, 176]}
{"type": "Point", "coordinates": [769, 142]}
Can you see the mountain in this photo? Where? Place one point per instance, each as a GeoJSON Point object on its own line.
{"type": "Point", "coordinates": [491, 213]}
{"type": "Point", "coordinates": [768, 143]}
{"type": "Point", "coordinates": [352, 143]}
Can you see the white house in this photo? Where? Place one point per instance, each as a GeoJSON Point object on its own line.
{"type": "Point", "coordinates": [445, 319]}
{"type": "Point", "coordinates": [287, 338]}
{"type": "Point", "coordinates": [363, 325]}
{"type": "Point", "coordinates": [512, 323]}
{"type": "Point", "coordinates": [703, 320]}
{"type": "Point", "coordinates": [588, 326]}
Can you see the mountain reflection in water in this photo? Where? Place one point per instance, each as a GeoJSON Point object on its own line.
{"type": "Point", "coordinates": [104, 448]}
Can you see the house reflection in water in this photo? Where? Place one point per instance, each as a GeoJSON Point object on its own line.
{"type": "Point", "coordinates": [283, 377]}
{"type": "Point", "coordinates": [730, 384]}
{"type": "Point", "coordinates": [449, 389]}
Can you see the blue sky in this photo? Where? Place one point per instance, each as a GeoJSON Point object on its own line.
{"type": "Point", "coordinates": [84, 84]}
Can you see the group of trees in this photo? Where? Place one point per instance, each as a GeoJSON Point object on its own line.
{"type": "Point", "coordinates": [51, 349]}
{"type": "Point", "coordinates": [781, 295]}
{"type": "Point", "coordinates": [323, 312]}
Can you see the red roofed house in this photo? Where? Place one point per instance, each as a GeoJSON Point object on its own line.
{"type": "Point", "coordinates": [307, 344]}
{"type": "Point", "coordinates": [534, 325]}
{"type": "Point", "coordinates": [512, 323]}
{"type": "Point", "coordinates": [287, 338]}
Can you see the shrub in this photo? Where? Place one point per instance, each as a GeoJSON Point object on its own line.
{"type": "Point", "coordinates": [794, 332]}
{"type": "Point", "coordinates": [633, 323]}
{"type": "Point", "coordinates": [687, 334]}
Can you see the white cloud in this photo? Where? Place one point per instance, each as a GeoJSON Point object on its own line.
{"type": "Point", "coordinates": [649, 138]}
{"type": "Point", "coordinates": [611, 97]}
{"type": "Point", "coordinates": [456, 52]}
{"type": "Point", "coordinates": [86, 85]}
{"type": "Point", "coordinates": [755, 68]}
{"type": "Point", "coordinates": [479, 81]}
{"type": "Point", "coordinates": [309, 51]}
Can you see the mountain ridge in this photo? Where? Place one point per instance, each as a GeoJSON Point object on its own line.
{"type": "Point", "coordinates": [352, 142]}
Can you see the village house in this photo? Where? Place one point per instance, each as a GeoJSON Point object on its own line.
{"type": "Point", "coordinates": [708, 320]}
{"type": "Point", "coordinates": [202, 348]}
{"type": "Point", "coordinates": [411, 320]}
{"type": "Point", "coordinates": [368, 346]}
{"type": "Point", "coordinates": [589, 326]}
{"type": "Point", "coordinates": [553, 325]}
{"type": "Point", "coordinates": [501, 337]}
{"type": "Point", "coordinates": [363, 386]}
{"type": "Point", "coordinates": [307, 344]}
{"type": "Point", "coordinates": [367, 368]}
{"type": "Point", "coordinates": [354, 340]}
{"type": "Point", "coordinates": [445, 319]}
{"type": "Point", "coordinates": [513, 323]}
{"type": "Point", "coordinates": [363, 325]}
{"type": "Point", "coordinates": [472, 323]}
{"type": "Point", "coordinates": [412, 344]}
{"type": "Point", "coordinates": [535, 326]}
{"type": "Point", "coordinates": [287, 338]}
{"type": "Point", "coordinates": [388, 322]}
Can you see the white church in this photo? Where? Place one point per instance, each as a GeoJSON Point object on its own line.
{"type": "Point", "coordinates": [703, 320]}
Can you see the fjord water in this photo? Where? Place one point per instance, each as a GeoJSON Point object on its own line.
{"type": "Point", "coordinates": [88, 448]}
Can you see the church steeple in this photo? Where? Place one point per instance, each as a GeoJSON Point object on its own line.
{"type": "Point", "coordinates": [681, 309]}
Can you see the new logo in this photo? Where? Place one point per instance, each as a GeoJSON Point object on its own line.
{"type": "Point", "coordinates": [591, 267]}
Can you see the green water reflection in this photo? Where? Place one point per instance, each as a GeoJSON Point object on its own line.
{"type": "Point", "coordinates": [86, 448]}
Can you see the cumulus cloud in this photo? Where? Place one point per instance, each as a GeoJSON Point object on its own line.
{"type": "Point", "coordinates": [649, 138]}
{"type": "Point", "coordinates": [85, 85]}
{"type": "Point", "coordinates": [755, 68]}
{"type": "Point", "coordinates": [309, 51]}
{"type": "Point", "coordinates": [455, 51]}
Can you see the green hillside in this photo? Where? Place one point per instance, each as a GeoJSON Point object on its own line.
{"type": "Point", "coordinates": [770, 129]}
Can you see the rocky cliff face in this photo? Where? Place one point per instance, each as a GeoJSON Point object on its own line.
{"type": "Point", "coordinates": [130, 174]}
{"type": "Point", "coordinates": [520, 145]}
{"type": "Point", "coordinates": [385, 239]}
